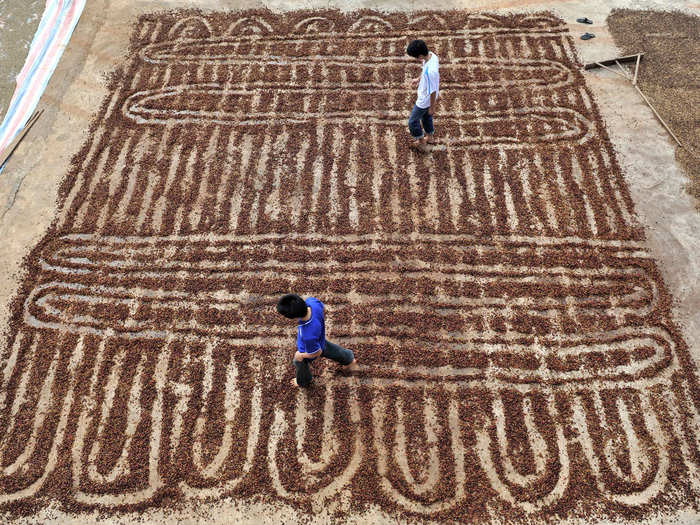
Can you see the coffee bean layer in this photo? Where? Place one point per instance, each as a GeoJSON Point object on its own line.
{"type": "Point", "coordinates": [516, 346]}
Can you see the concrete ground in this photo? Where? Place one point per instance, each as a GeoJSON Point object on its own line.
{"type": "Point", "coordinates": [28, 186]}
{"type": "Point", "coordinates": [18, 23]}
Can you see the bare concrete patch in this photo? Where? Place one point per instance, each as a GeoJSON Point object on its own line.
{"type": "Point", "coordinates": [669, 73]}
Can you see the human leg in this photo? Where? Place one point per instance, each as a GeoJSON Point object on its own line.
{"type": "Point", "coordinates": [338, 354]}
{"type": "Point", "coordinates": [303, 372]}
{"type": "Point", "coordinates": [427, 120]}
{"type": "Point", "coordinates": [428, 127]}
{"type": "Point", "coordinates": [414, 125]}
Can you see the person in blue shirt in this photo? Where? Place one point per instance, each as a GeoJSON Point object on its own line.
{"type": "Point", "coordinates": [311, 337]}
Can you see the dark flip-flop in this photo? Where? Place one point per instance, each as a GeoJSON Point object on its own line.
{"type": "Point", "coordinates": [584, 20]}
{"type": "Point", "coordinates": [587, 36]}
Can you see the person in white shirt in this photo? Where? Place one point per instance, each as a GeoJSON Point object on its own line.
{"type": "Point", "coordinates": [428, 92]}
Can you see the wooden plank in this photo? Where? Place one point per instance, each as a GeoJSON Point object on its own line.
{"type": "Point", "coordinates": [624, 71]}
{"type": "Point", "coordinates": [15, 142]}
{"type": "Point", "coordinates": [658, 116]}
{"type": "Point", "coordinates": [632, 58]}
{"type": "Point", "coordinates": [611, 62]}
{"type": "Point", "coordinates": [614, 70]}
{"type": "Point", "coordinates": [636, 70]}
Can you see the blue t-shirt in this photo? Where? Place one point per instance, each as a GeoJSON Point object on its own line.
{"type": "Point", "coordinates": [312, 333]}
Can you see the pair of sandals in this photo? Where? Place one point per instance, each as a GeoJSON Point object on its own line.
{"type": "Point", "coordinates": [585, 36]}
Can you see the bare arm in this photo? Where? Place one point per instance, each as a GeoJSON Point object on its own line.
{"type": "Point", "coordinates": [299, 356]}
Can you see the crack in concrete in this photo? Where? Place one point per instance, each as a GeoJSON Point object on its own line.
{"type": "Point", "coordinates": [14, 197]}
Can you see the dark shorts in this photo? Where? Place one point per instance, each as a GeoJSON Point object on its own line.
{"type": "Point", "coordinates": [330, 351]}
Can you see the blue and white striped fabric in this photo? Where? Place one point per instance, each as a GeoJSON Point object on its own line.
{"type": "Point", "coordinates": [55, 29]}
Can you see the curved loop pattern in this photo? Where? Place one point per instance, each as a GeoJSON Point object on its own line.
{"type": "Point", "coordinates": [254, 26]}
{"type": "Point", "coordinates": [435, 469]}
{"type": "Point", "coordinates": [318, 492]}
{"type": "Point", "coordinates": [314, 25]}
{"type": "Point", "coordinates": [190, 28]}
{"type": "Point", "coordinates": [212, 471]}
{"type": "Point", "coordinates": [371, 24]}
{"type": "Point", "coordinates": [484, 451]}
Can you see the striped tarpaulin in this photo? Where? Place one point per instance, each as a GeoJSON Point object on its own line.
{"type": "Point", "coordinates": [52, 36]}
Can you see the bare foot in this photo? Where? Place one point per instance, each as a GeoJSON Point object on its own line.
{"type": "Point", "coordinates": [430, 139]}
{"type": "Point", "coordinates": [353, 367]}
{"type": "Point", "coordinates": [420, 146]}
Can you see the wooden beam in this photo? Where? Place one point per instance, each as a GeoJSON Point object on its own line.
{"type": "Point", "coordinates": [636, 70]}
{"type": "Point", "coordinates": [658, 116]}
{"type": "Point", "coordinates": [611, 62]}
{"type": "Point", "coordinates": [623, 73]}
{"type": "Point", "coordinates": [15, 142]}
{"type": "Point", "coordinates": [615, 71]}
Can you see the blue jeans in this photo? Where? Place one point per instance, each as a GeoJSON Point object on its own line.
{"type": "Point", "coordinates": [330, 351]}
{"type": "Point", "coordinates": [419, 115]}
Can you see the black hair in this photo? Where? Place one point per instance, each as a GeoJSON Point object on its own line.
{"type": "Point", "coordinates": [417, 48]}
{"type": "Point", "coordinates": [292, 306]}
